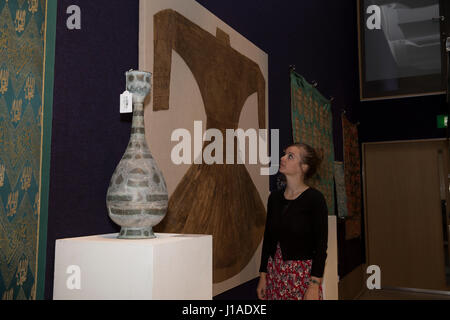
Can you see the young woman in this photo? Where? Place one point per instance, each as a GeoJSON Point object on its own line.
{"type": "Point", "coordinates": [296, 235]}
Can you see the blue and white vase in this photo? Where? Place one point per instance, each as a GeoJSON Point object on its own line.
{"type": "Point", "coordinates": [137, 196]}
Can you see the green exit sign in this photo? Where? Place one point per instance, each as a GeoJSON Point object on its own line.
{"type": "Point", "coordinates": [442, 121]}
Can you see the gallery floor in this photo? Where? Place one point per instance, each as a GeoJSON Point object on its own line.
{"type": "Point", "coordinates": [394, 294]}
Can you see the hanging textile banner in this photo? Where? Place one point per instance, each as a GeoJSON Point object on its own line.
{"type": "Point", "coordinates": [341, 195]}
{"type": "Point", "coordinates": [24, 148]}
{"type": "Point", "coordinates": [352, 169]}
{"type": "Point", "coordinates": [312, 124]}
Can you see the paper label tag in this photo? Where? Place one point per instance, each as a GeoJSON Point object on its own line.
{"type": "Point", "coordinates": [126, 102]}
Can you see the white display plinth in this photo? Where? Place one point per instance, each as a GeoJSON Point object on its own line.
{"type": "Point", "coordinates": [330, 277]}
{"type": "Point", "coordinates": [170, 267]}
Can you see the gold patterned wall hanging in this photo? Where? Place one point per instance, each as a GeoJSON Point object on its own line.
{"type": "Point", "coordinates": [22, 40]}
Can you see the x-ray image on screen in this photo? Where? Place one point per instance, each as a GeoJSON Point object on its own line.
{"type": "Point", "coordinates": [408, 42]}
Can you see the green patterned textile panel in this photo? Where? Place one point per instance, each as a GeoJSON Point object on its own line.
{"type": "Point", "coordinates": [22, 105]}
{"type": "Point", "coordinates": [312, 124]}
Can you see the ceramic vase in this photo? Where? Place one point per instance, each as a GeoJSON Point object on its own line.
{"type": "Point", "coordinates": [137, 196]}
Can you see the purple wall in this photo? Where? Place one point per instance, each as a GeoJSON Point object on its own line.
{"type": "Point", "coordinates": [88, 137]}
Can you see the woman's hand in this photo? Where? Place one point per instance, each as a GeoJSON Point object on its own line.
{"type": "Point", "coordinates": [312, 293]}
{"type": "Point", "coordinates": [261, 289]}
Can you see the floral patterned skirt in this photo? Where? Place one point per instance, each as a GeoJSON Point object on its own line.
{"type": "Point", "coordinates": [288, 280]}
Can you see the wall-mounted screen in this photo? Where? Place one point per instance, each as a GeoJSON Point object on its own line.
{"type": "Point", "coordinates": [401, 48]}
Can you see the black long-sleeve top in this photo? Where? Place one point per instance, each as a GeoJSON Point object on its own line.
{"type": "Point", "coordinates": [301, 228]}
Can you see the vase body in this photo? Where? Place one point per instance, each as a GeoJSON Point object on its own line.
{"type": "Point", "coordinates": [137, 196]}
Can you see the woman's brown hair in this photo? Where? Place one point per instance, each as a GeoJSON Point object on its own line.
{"type": "Point", "coordinates": [310, 157]}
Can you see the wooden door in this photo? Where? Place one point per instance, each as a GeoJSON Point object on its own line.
{"type": "Point", "coordinates": [404, 221]}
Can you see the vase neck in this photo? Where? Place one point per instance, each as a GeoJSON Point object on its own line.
{"type": "Point", "coordinates": [138, 127]}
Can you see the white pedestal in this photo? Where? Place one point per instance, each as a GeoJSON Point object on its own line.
{"type": "Point", "coordinates": [170, 267]}
{"type": "Point", "coordinates": [330, 277]}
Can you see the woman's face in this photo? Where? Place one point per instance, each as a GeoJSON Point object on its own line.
{"type": "Point", "coordinates": [291, 163]}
